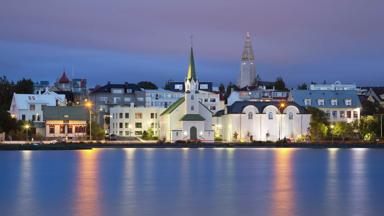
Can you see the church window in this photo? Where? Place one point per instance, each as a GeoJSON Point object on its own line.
{"type": "Point", "coordinates": [192, 108]}
{"type": "Point", "coordinates": [192, 97]}
{"type": "Point", "coordinates": [290, 116]}
{"type": "Point", "coordinates": [250, 115]}
{"type": "Point", "coordinates": [270, 115]}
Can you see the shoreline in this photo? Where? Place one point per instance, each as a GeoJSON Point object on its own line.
{"type": "Point", "coordinates": [89, 146]}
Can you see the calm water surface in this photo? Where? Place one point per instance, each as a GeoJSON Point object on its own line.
{"type": "Point", "coordinates": [192, 182]}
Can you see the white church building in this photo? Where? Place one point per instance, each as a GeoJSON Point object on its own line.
{"type": "Point", "coordinates": [188, 118]}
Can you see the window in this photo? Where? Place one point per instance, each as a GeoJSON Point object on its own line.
{"type": "Point", "coordinates": [138, 115]}
{"type": "Point", "coordinates": [192, 108]}
{"type": "Point", "coordinates": [205, 99]}
{"type": "Point", "coordinates": [138, 125]}
{"type": "Point", "coordinates": [342, 114]}
{"type": "Point", "coordinates": [140, 99]}
{"type": "Point", "coordinates": [32, 107]}
{"type": "Point", "coordinates": [103, 99]}
{"type": "Point", "coordinates": [250, 115]}
{"type": "Point", "coordinates": [152, 115]}
{"type": "Point", "coordinates": [213, 100]}
{"type": "Point", "coordinates": [334, 102]}
{"type": "Point", "coordinates": [38, 117]}
{"type": "Point", "coordinates": [117, 91]}
{"type": "Point", "coordinates": [126, 115]}
{"type": "Point", "coordinates": [126, 133]}
{"type": "Point", "coordinates": [152, 125]}
{"type": "Point", "coordinates": [203, 86]}
{"type": "Point", "coordinates": [121, 133]}
{"type": "Point", "coordinates": [348, 102]}
{"type": "Point", "coordinates": [349, 114]}
{"type": "Point", "coordinates": [127, 99]}
{"type": "Point", "coordinates": [51, 129]}
{"type": "Point", "coordinates": [129, 91]}
{"type": "Point", "coordinates": [126, 125]}
{"type": "Point", "coordinates": [70, 130]}
{"type": "Point", "coordinates": [355, 114]}
{"type": "Point", "coordinates": [62, 129]}
{"type": "Point", "coordinates": [270, 115]}
{"type": "Point", "coordinates": [328, 114]}
{"type": "Point", "coordinates": [23, 117]}
{"type": "Point", "coordinates": [290, 116]}
{"type": "Point", "coordinates": [33, 117]}
{"type": "Point", "coordinates": [138, 133]}
{"type": "Point", "coordinates": [120, 115]}
{"type": "Point", "coordinates": [307, 102]}
{"type": "Point", "coordinates": [320, 102]}
{"type": "Point", "coordinates": [334, 114]}
{"type": "Point", "coordinates": [192, 97]}
{"type": "Point", "coordinates": [212, 108]}
{"type": "Point", "coordinates": [116, 100]}
{"type": "Point", "coordinates": [120, 125]}
{"type": "Point", "coordinates": [179, 86]}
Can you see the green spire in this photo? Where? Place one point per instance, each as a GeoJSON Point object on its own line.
{"type": "Point", "coordinates": [191, 68]}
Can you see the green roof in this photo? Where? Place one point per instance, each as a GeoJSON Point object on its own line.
{"type": "Point", "coordinates": [173, 106]}
{"type": "Point", "coordinates": [192, 117]}
{"type": "Point", "coordinates": [65, 113]}
{"type": "Point", "coordinates": [191, 68]}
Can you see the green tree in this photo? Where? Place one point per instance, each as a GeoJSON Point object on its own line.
{"type": "Point", "coordinates": [302, 86]}
{"type": "Point", "coordinates": [318, 124]}
{"type": "Point", "coordinates": [147, 85]}
{"type": "Point", "coordinates": [24, 86]}
{"type": "Point", "coordinates": [98, 132]}
{"type": "Point", "coordinates": [368, 127]}
{"type": "Point", "coordinates": [342, 130]}
{"type": "Point", "coordinates": [280, 84]}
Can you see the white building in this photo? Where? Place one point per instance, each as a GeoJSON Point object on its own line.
{"type": "Point", "coordinates": [133, 121]}
{"type": "Point", "coordinates": [261, 121]}
{"type": "Point", "coordinates": [161, 97]}
{"type": "Point", "coordinates": [337, 86]}
{"type": "Point", "coordinates": [247, 76]}
{"type": "Point", "coordinates": [28, 107]}
{"type": "Point", "coordinates": [188, 118]}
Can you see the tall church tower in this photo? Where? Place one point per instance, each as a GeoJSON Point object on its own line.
{"type": "Point", "coordinates": [191, 88]}
{"type": "Point", "coordinates": [247, 74]}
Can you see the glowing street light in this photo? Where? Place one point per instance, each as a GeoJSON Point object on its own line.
{"type": "Point", "coordinates": [26, 126]}
{"type": "Point", "coordinates": [89, 105]}
{"type": "Point", "coordinates": [281, 106]}
{"type": "Point", "coordinates": [332, 126]}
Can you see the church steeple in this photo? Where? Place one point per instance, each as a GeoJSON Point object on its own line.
{"type": "Point", "coordinates": [191, 68]}
{"type": "Point", "coordinates": [248, 50]}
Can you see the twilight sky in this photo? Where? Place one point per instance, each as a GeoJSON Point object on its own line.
{"type": "Point", "coordinates": [133, 40]}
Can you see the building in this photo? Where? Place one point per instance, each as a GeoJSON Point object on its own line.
{"type": "Point", "coordinates": [28, 107]}
{"type": "Point", "coordinates": [40, 86]}
{"type": "Point", "coordinates": [337, 86]}
{"type": "Point", "coordinates": [339, 105]}
{"type": "Point", "coordinates": [133, 121]}
{"type": "Point", "coordinates": [75, 90]}
{"type": "Point", "coordinates": [180, 86]}
{"type": "Point", "coordinates": [68, 122]}
{"type": "Point", "coordinates": [161, 97]}
{"type": "Point", "coordinates": [375, 94]}
{"type": "Point", "coordinates": [247, 75]}
{"type": "Point", "coordinates": [261, 121]}
{"type": "Point", "coordinates": [187, 118]}
{"type": "Point", "coordinates": [257, 94]}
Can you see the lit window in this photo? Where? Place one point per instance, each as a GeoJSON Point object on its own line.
{"type": "Point", "coordinates": [307, 102]}
{"type": "Point", "coordinates": [320, 102]}
{"type": "Point", "coordinates": [348, 102]}
{"type": "Point", "coordinates": [342, 114]}
{"type": "Point", "coordinates": [138, 115]}
{"type": "Point", "coordinates": [334, 102]}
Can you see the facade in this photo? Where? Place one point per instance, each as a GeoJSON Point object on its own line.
{"type": "Point", "coordinates": [127, 121]}
{"type": "Point", "coordinates": [68, 122]}
{"type": "Point", "coordinates": [40, 86]}
{"type": "Point", "coordinates": [161, 98]}
{"type": "Point", "coordinates": [261, 121]}
{"type": "Point", "coordinates": [180, 86]}
{"type": "Point", "coordinates": [28, 107]}
{"type": "Point", "coordinates": [337, 86]}
{"type": "Point", "coordinates": [187, 118]}
{"type": "Point", "coordinates": [258, 94]}
{"type": "Point", "coordinates": [247, 76]}
{"type": "Point", "coordinates": [339, 105]}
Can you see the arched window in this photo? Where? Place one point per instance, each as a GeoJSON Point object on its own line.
{"type": "Point", "coordinates": [270, 115]}
{"type": "Point", "coordinates": [192, 108]}
{"type": "Point", "coordinates": [250, 115]}
{"type": "Point", "coordinates": [192, 97]}
{"type": "Point", "coordinates": [290, 116]}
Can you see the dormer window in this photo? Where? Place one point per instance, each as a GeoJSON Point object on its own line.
{"type": "Point", "coordinates": [334, 102]}
{"type": "Point", "coordinates": [348, 102]}
{"type": "Point", "coordinates": [320, 102]}
{"type": "Point", "coordinates": [307, 102]}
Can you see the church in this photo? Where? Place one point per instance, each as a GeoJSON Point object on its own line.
{"type": "Point", "coordinates": [188, 119]}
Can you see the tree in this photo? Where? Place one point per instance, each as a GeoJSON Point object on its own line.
{"type": "Point", "coordinates": [318, 125]}
{"type": "Point", "coordinates": [98, 132]}
{"type": "Point", "coordinates": [6, 92]}
{"type": "Point", "coordinates": [280, 84]}
{"type": "Point", "coordinates": [147, 85]}
{"type": "Point", "coordinates": [24, 86]}
{"type": "Point", "coordinates": [342, 130]}
{"type": "Point", "coordinates": [302, 86]}
{"type": "Point", "coordinates": [371, 108]}
{"type": "Point", "coordinates": [368, 127]}
{"type": "Point", "coordinates": [168, 85]}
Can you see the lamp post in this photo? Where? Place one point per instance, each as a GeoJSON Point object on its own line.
{"type": "Point", "coordinates": [89, 104]}
{"type": "Point", "coordinates": [332, 126]}
{"type": "Point", "coordinates": [26, 126]}
{"type": "Point", "coordinates": [281, 109]}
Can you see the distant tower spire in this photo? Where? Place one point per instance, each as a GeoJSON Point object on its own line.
{"type": "Point", "coordinates": [191, 68]}
{"type": "Point", "coordinates": [247, 74]}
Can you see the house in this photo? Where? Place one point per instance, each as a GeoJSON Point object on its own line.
{"type": "Point", "coordinates": [188, 118]}
{"type": "Point", "coordinates": [161, 97]}
{"type": "Point", "coordinates": [133, 121]}
{"type": "Point", "coordinates": [261, 121]}
{"type": "Point", "coordinates": [28, 107]}
{"type": "Point", "coordinates": [68, 122]}
{"type": "Point", "coordinates": [339, 105]}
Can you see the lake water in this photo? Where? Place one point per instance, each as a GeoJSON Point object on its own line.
{"type": "Point", "coordinates": [192, 182]}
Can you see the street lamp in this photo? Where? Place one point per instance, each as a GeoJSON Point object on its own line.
{"type": "Point", "coordinates": [26, 126]}
{"type": "Point", "coordinates": [89, 105]}
{"type": "Point", "coordinates": [281, 109]}
{"type": "Point", "coordinates": [332, 126]}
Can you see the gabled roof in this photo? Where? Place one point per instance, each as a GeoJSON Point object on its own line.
{"type": "Point", "coordinates": [192, 117]}
{"type": "Point", "coordinates": [65, 113]}
{"type": "Point", "coordinates": [173, 106]}
{"type": "Point", "coordinates": [300, 95]}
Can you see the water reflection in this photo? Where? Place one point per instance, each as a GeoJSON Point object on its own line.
{"type": "Point", "coordinates": [358, 186]}
{"type": "Point", "coordinates": [332, 186]}
{"type": "Point", "coordinates": [26, 200]}
{"type": "Point", "coordinates": [282, 187]}
{"type": "Point", "coordinates": [128, 188]}
{"type": "Point", "coordinates": [87, 198]}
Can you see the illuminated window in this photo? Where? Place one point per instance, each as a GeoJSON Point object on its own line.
{"type": "Point", "coordinates": [307, 102]}
{"type": "Point", "coordinates": [348, 102]}
{"type": "Point", "coordinates": [138, 115]}
{"type": "Point", "coordinates": [334, 102]}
